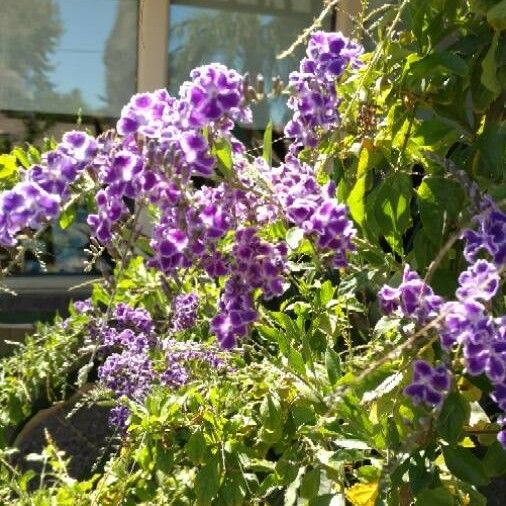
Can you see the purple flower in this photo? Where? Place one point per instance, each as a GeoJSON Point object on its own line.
{"type": "Point", "coordinates": [137, 319]}
{"type": "Point", "coordinates": [180, 362]}
{"type": "Point", "coordinates": [389, 299]}
{"type": "Point", "coordinates": [26, 205]}
{"type": "Point", "coordinates": [413, 299]}
{"type": "Point", "coordinates": [429, 384]}
{"type": "Point", "coordinates": [236, 313]}
{"type": "Point", "coordinates": [79, 146]}
{"type": "Point", "coordinates": [214, 95]}
{"type": "Point", "coordinates": [184, 311]}
{"type": "Point", "coordinates": [490, 234]}
{"type": "Point", "coordinates": [310, 207]}
{"type": "Point", "coordinates": [127, 373]}
{"type": "Point", "coordinates": [479, 281]}
{"type": "Point", "coordinates": [314, 100]}
{"type": "Point", "coordinates": [118, 417]}
{"type": "Point", "coordinates": [83, 306]}
{"type": "Point", "coordinates": [501, 437]}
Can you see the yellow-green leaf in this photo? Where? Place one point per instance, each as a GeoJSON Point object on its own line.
{"type": "Point", "coordinates": [362, 494]}
{"type": "Point", "coordinates": [7, 166]}
{"type": "Point", "coordinates": [489, 68]}
{"type": "Point", "coordinates": [496, 16]}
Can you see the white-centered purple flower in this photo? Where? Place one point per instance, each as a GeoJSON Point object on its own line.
{"type": "Point", "coordinates": [413, 298]}
{"type": "Point", "coordinates": [215, 94]}
{"type": "Point", "coordinates": [489, 234]}
{"type": "Point", "coordinates": [429, 384]}
{"type": "Point", "coordinates": [44, 188]}
{"type": "Point", "coordinates": [479, 282]}
{"type": "Point", "coordinates": [314, 100]}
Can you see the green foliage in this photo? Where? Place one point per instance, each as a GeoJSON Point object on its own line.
{"type": "Point", "coordinates": [310, 410]}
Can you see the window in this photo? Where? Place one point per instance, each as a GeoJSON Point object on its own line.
{"type": "Point", "coordinates": [67, 56]}
{"type": "Point", "coordinates": [75, 63]}
{"type": "Point", "coordinates": [61, 60]}
{"type": "Point", "coordinates": [242, 34]}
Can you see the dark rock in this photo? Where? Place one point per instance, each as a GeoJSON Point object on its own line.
{"type": "Point", "coordinates": [84, 436]}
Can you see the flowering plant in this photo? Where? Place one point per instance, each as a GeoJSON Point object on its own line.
{"type": "Point", "coordinates": [330, 327]}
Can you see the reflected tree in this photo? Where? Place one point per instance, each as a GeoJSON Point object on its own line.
{"type": "Point", "coordinates": [29, 35]}
{"type": "Point", "coordinates": [120, 62]}
{"type": "Point", "coordinates": [245, 41]}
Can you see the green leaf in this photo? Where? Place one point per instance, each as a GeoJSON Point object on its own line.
{"type": "Point", "coordinates": [393, 437]}
{"type": "Point", "coordinates": [440, 201]}
{"type": "Point", "coordinates": [269, 333]}
{"type": "Point", "coordinates": [432, 135]}
{"type": "Point", "coordinates": [435, 497]}
{"type": "Point", "coordinates": [310, 484]}
{"type": "Point", "coordinates": [326, 293]}
{"type": "Point", "coordinates": [67, 217]}
{"type": "Point", "coordinates": [490, 157]}
{"type": "Point", "coordinates": [454, 414]}
{"type": "Point", "coordinates": [234, 487]}
{"type": "Point", "coordinates": [465, 465]}
{"type": "Point", "coordinates": [495, 460]}
{"type": "Point", "coordinates": [392, 208]}
{"type": "Point", "coordinates": [8, 166]}
{"type": "Point", "coordinates": [333, 365]}
{"type": "Point", "coordinates": [419, 474]}
{"type": "Point", "coordinates": [355, 201]}
{"type": "Point", "coordinates": [496, 16]}
{"type": "Point", "coordinates": [296, 361]}
{"type": "Point", "coordinates": [208, 481]}
{"type": "Point", "coordinates": [489, 68]}
{"type": "Point", "coordinates": [223, 152]}
{"type": "Point", "coordinates": [424, 249]}
{"type": "Point", "coordinates": [294, 236]}
{"type": "Point", "coordinates": [22, 157]}
{"type": "Point", "coordinates": [267, 147]}
{"type": "Point", "coordinates": [430, 63]}
{"type": "Point", "coordinates": [291, 490]}
{"type": "Point", "coordinates": [196, 448]}
{"type": "Point", "coordinates": [271, 413]}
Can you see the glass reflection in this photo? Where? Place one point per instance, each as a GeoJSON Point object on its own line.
{"type": "Point", "coordinates": [243, 34]}
{"type": "Point", "coordinates": [67, 56]}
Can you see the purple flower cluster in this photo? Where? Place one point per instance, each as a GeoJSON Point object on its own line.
{"type": "Point", "coordinates": [311, 207]}
{"type": "Point", "coordinates": [44, 188]}
{"type": "Point", "coordinates": [464, 324]}
{"type": "Point", "coordinates": [315, 100]}
{"type": "Point", "coordinates": [188, 233]}
{"type": "Point", "coordinates": [255, 264]}
{"type": "Point", "coordinates": [173, 146]}
{"type": "Point", "coordinates": [130, 329]}
{"type": "Point", "coordinates": [161, 143]}
{"type": "Point", "coordinates": [131, 346]}
{"type": "Point", "coordinates": [129, 373]}
{"type": "Point", "coordinates": [489, 236]}
{"type": "Point", "coordinates": [413, 299]}
{"type": "Point", "coordinates": [180, 362]}
{"type": "Point", "coordinates": [429, 384]}
{"type": "Point", "coordinates": [184, 312]}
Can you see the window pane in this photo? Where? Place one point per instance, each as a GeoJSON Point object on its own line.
{"type": "Point", "coordinates": [243, 34]}
{"type": "Point", "coordinates": [67, 56]}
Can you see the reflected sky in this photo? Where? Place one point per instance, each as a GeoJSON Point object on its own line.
{"type": "Point", "coordinates": [78, 61]}
{"type": "Point", "coordinates": [67, 54]}
{"type": "Point", "coordinates": [242, 39]}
